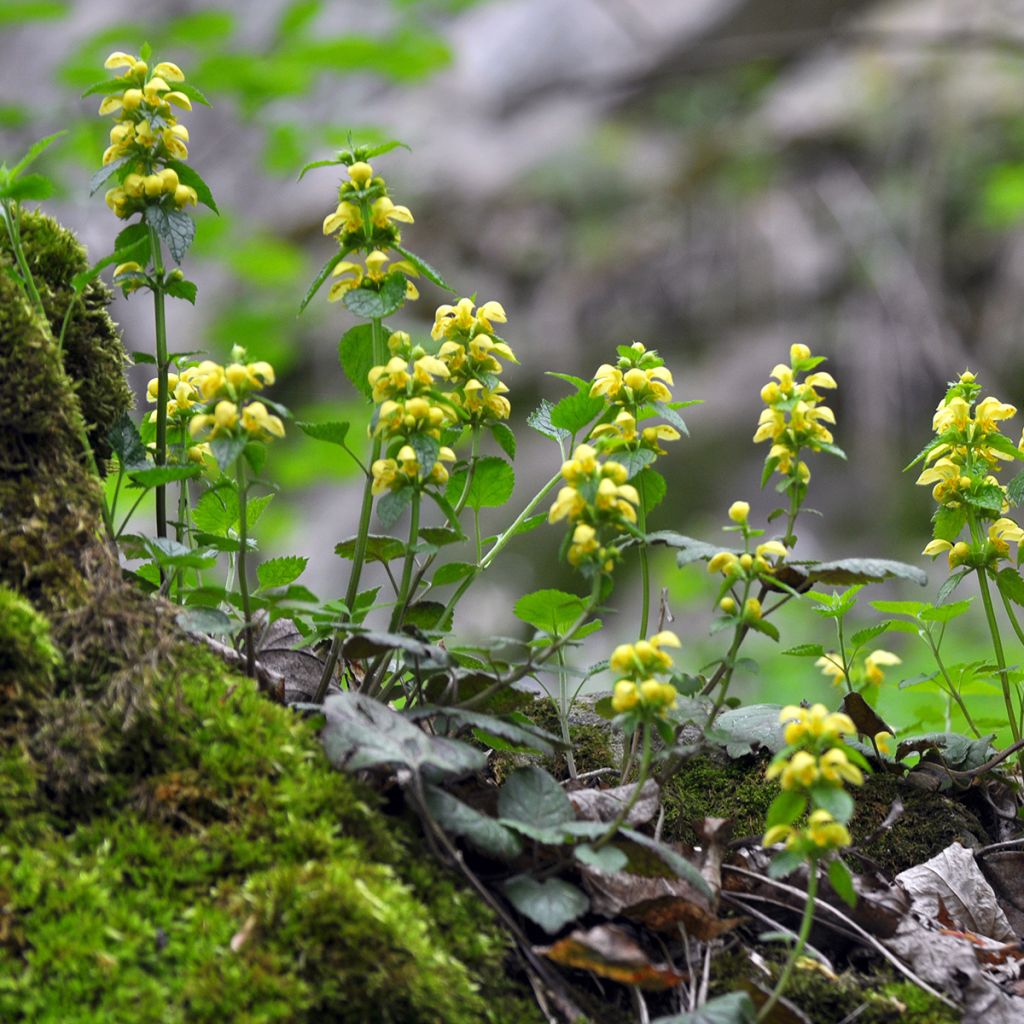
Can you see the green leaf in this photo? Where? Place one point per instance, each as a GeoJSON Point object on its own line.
{"type": "Point", "coordinates": [552, 611]}
{"type": "Point", "coordinates": [333, 432]}
{"type": "Point", "coordinates": [552, 904]}
{"type": "Point", "coordinates": [911, 608]}
{"type": "Point", "coordinates": [652, 487]}
{"type": "Point", "coordinates": [35, 150]}
{"type": "Point", "coordinates": [192, 93]}
{"type": "Point", "coordinates": [785, 808]}
{"type": "Point", "coordinates": [633, 460]}
{"type": "Point", "coordinates": [216, 511]}
{"type": "Point", "coordinates": [492, 484]}
{"type": "Point", "coordinates": [325, 272]}
{"type": "Point", "coordinates": [131, 244]}
{"type": "Point", "coordinates": [181, 290]}
{"type": "Point", "coordinates": [105, 173]}
{"type": "Point", "coordinates": [360, 732]}
{"type": "Point", "coordinates": [205, 622]}
{"type": "Point", "coordinates": [452, 572]}
{"type": "Point", "coordinates": [540, 420]}
{"type": "Point", "coordinates": [523, 733]}
{"type": "Point", "coordinates": [842, 881]}
{"type": "Point", "coordinates": [574, 412]}
{"type": "Point", "coordinates": [426, 449]}
{"type": "Point", "coordinates": [954, 580]}
{"type": "Point", "coordinates": [1011, 586]}
{"type": "Point", "coordinates": [669, 414]}
{"type": "Point", "coordinates": [607, 858]}
{"type": "Point", "coordinates": [531, 795]}
{"type": "Point", "coordinates": [424, 268]}
{"type": "Point", "coordinates": [868, 633]}
{"type": "Point", "coordinates": [479, 830]}
{"type": "Point", "coordinates": [505, 438]}
{"type": "Point", "coordinates": [784, 863]}
{"type": "Point", "coordinates": [355, 350]}
{"type": "Point", "coordinates": [169, 553]}
{"type": "Point", "coordinates": [946, 612]}
{"type": "Point", "coordinates": [158, 476]}
{"type": "Point", "coordinates": [279, 572]}
{"type": "Point", "coordinates": [371, 304]}
{"type": "Point", "coordinates": [379, 548]}
{"type": "Point", "coordinates": [833, 799]}
{"type": "Point", "coordinates": [958, 751]}
{"type": "Point", "coordinates": [732, 1008]}
{"type": "Point", "coordinates": [392, 505]}
{"type": "Point", "coordinates": [125, 442]}
{"type": "Point", "coordinates": [35, 187]}
{"type": "Point", "coordinates": [175, 227]}
{"type": "Point", "coordinates": [846, 571]}
{"type": "Point", "coordinates": [805, 651]}
{"type": "Point", "coordinates": [1015, 489]}
{"type": "Point", "coordinates": [188, 176]}
{"type": "Point", "coordinates": [690, 549]}
{"type": "Point", "coordinates": [744, 729]}
{"type": "Point", "coordinates": [227, 449]}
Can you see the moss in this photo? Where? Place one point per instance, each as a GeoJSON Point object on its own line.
{"type": "Point", "coordinates": [92, 347]}
{"type": "Point", "coordinates": [27, 657]}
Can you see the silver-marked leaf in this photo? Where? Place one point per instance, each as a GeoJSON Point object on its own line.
{"type": "Point", "coordinates": [552, 904]}
{"type": "Point", "coordinates": [531, 795]}
{"type": "Point", "coordinates": [479, 830]}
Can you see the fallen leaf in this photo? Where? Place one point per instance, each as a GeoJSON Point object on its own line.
{"type": "Point", "coordinates": [605, 804]}
{"type": "Point", "coordinates": [867, 720]}
{"type": "Point", "coordinates": [610, 952]}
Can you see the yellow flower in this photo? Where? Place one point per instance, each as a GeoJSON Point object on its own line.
{"type": "Point", "coordinates": [836, 768]}
{"type": "Point", "coordinates": [884, 742]}
{"type": "Point", "coordinates": [360, 173]}
{"type": "Point", "coordinates": [799, 772]}
{"type": "Point", "coordinates": [568, 505]}
{"type": "Point", "coordinates": [771, 548]}
{"type": "Point", "coordinates": [626, 696]}
{"type": "Point", "coordinates": [384, 210]}
{"type": "Point", "coordinates": [831, 665]}
{"type": "Point", "coordinates": [752, 610]}
{"type": "Point", "coordinates": [1002, 533]}
{"type": "Point", "coordinates": [346, 216]}
{"type": "Point", "coordinates": [385, 476]}
{"type": "Point", "coordinates": [607, 381]}
{"type": "Point", "coordinates": [725, 562]}
{"type": "Point", "coordinates": [256, 420]}
{"type": "Point", "coordinates": [874, 664]}
{"type": "Point", "coordinates": [815, 722]}
{"type": "Point", "coordinates": [738, 511]}
{"type": "Point", "coordinates": [350, 275]}
{"type": "Point", "coordinates": [825, 832]}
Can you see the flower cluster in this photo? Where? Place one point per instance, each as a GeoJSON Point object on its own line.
{"type": "Point", "coordinates": [226, 393]}
{"type": "Point", "coordinates": [640, 377]}
{"type": "Point", "coordinates": [638, 665]}
{"type": "Point", "coordinates": [405, 387]}
{"type": "Point", "coordinates": [403, 470]}
{"type": "Point", "coordinates": [367, 218]}
{"type": "Point", "coordinates": [146, 137]}
{"type": "Point", "coordinates": [871, 672]}
{"type": "Point", "coordinates": [813, 766]}
{"type": "Point", "coordinates": [962, 464]}
{"type": "Point", "coordinates": [794, 418]}
{"type": "Point", "coordinates": [471, 351]}
{"type": "Point", "coordinates": [596, 500]}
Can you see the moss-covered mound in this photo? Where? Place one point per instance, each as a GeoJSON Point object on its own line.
{"type": "Point", "coordinates": [173, 847]}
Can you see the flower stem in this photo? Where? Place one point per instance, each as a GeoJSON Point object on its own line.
{"type": "Point", "coordinates": [359, 555]}
{"type": "Point", "coordinates": [563, 713]}
{"type": "Point", "coordinates": [801, 943]}
{"type": "Point", "coordinates": [243, 580]}
{"type": "Point", "coordinates": [623, 815]}
{"type": "Point", "coordinates": [160, 319]}
{"type": "Point", "coordinates": [645, 568]}
{"type": "Point", "coordinates": [404, 589]}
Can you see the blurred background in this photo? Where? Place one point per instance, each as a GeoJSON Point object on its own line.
{"type": "Point", "coordinates": [715, 178]}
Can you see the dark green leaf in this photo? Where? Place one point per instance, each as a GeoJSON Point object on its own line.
{"type": "Point", "coordinates": [158, 476]}
{"type": "Point", "coordinates": [492, 484]}
{"type": "Point", "coordinates": [426, 449]}
{"type": "Point", "coordinates": [332, 432]}
{"type": "Point", "coordinates": [959, 752]}
{"type": "Point", "coordinates": [125, 442]}
{"type": "Point", "coordinates": [552, 904]}
{"type": "Point", "coordinates": [1015, 489]}
{"type": "Point", "coordinates": [355, 350]}
{"type": "Point", "coordinates": [633, 460]}
{"type": "Point", "coordinates": [846, 571]}
{"type": "Point", "coordinates": [169, 553]}
{"type": "Point", "coordinates": [1011, 586]}
{"type": "Point", "coordinates": [371, 304]}
{"type": "Point", "coordinates": [784, 863]}
{"type": "Point", "coordinates": [227, 449]}
{"type": "Point", "coordinates": [375, 642]}
{"type": "Point", "coordinates": [652, 487]}
{"type": "Point", "coordinates": [379, 548]}
{"type": "Point", "coordinates": [182, 290]}
{"type": "Point", "coordinates": [325, 272]}
{"type": "Point", "coordinates": [785, 808]}
{"type": "Point", "coordinates": [216, 511]}
{"type": "Point", "coordinates": [174, 227]}
{"type": "Point", "coordinates": [392, 505]}
{"type": "Point", "coordinates": [531, 795]}
{"type": "Point", "coordinates": [671, 416]}
{"type": "Point", "coordinates": [574, 412]}
{"type": "Point", "coordinates": [833, 799]}
{"type": "Point", "coordinates": [522, 734]}
{"type": "Point", "coordinates": [805, 651]}
{"type": "Point", "coordinates": [946, 612]}
{"type": "Point", "coordinates": [452, 572]}
{"type": "Point", "coordinates": [424, 268]}
{"type": "Point", "coordinates": [480, 830]}
{"type": "Point", "coordinates": [505, 438]}
{"type": "Point", "coordinates": [278, 572]}
{"type": "Point", "coordinates": [188, 176]}
{"type": "Point", "coordinates": [951, 584]}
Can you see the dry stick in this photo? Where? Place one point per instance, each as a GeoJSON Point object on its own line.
{"type": "Point", "coordinates": [850, 923]}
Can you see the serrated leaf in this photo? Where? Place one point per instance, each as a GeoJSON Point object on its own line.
{"type": "Point", "coordinates": [99, 179]}
{"type": "Point", "coordinates": [379, 548]}
{"type": "Point", "coordinates": [451, 572]}
{"type": "Point", "coordinates": [424, 268]}
{"type": "Point", "coordinates": [188, 176]}
{"type": "Point", "coordinates": [1015, 489]}
{"type": "Point", "coordinates": [174, 227]}
{"type": "Point", "coordinates": [805, 651]}
{"type": "Point", "coordinates": [479, 830]}
{"type": "Point", "coordinates": [505, 438]}
{"type": "Point", "coordinates": [181, 290]}
{"type": "Point", "coordinates": [633, 460]}
{"type": "Point", "coordinates": [360, 732]}
{"type": "Point", "coordinates": [833, 799]}
{"type": "Point", "coordinates": [846, 571]}
{"type": "Point", "coordinates": [125, 442]}
{"type": "Point", "coordinates": [574, 412]}
{"type": "Point", "coordinates": [333, 432]}
{"type": "Point", "coordinates": [355, 350]}
{"type": "Point", "coordinates": [279, 572]}
{"type": "Point", "coordinates": [946, 612]}
{"type": "Point", "coordinates": [912, 608]}
{"type": "Point", "coordinates": [552, 611]}
{"type": "Point", "coordinates": [168, 552]}
{"type": "Point", "coordinates": [949, 522]}
{"type": "Point", "coordinates": [540, 420]}
{"type": "Point", "coordinates": [690, 549]}
{"type": "Point", "coordinates": [216, 511]}
{"type": "Point", "coordinates": [492, 484]}
{"type": "Point", "coordinates": [374, 304]}
{"type": "Point", "coordinates": [552, 904]}
{"type": "Point", "coordinates": [1011, 586]}
{"type": "Point", "coordinates": [868, 633]}
{"type": "Point", "coordinates": [158, 476]}
{"type": "Point", "coordinates": [531, 795]}
{"type": "Point", "coordinates": [392, 505]}
{"type": "Point", "coordinates": [652, 488]}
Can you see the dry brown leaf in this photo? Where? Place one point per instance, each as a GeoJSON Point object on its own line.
{"type": "Point", "coordinates": [605, 804]}
{"type": "Point", "coordinates": [611, 952]}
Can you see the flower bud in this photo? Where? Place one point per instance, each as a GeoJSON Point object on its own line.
{"type": "Point", "coordinates": [152, 185]}
{"type": "Point", "coordinates": [738, 511]}
{"type": "Point", "coordinates": [169, 177]}
{"type": "Point", "coordinates": [132, 98]}
{"type": "Point", "coordinates": [728, 605]}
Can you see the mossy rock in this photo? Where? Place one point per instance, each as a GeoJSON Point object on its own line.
{"type": "Point", "coordinates": [173, 846]}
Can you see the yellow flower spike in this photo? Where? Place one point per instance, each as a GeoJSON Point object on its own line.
{"type": "Point", "coordinates": [825, 832]}
{"type": "Point", "coordinates": [801, 772]}
{"type": "Point", "coordinates": [989, 411]}
{"type": "Point", "coordinates": [607, 381]}
{"type": "Point", "coordinates": [625, 696]}
{"type": "Point", "coordinates": [257, 420]}
{"type": "Point", "coordinates": [798, 352]}
{"type": "Point", "coordinates": [934, 548]}
{"type": "Point", "coordinates": [635, 379]}
{"type": "Point", "coordinates": [616, 472]}
{"type": "Point", "coordinates": [884, 742]}
{"type": "Point", "coordinates": [650, 691]}
{"type": "Point", "coordinates": [568, 505]}
{"type": "Point", "coordinates": [835, 767]}
{"type": "Point", "coordinates": [739, 511]}
{"type": "Point", "coordinates": [360, 173]}
{"type": "Point", "coordinates": [132, 99]}
{"type": "Point", "coordinates": [152, 89]}
{"type": "Point", "coordinates": [236, 374]}
{"type": "Point", "coordinates": [225, 415]}
{"type": "Point", "coordinates": [622, 658]}
{"type": "Point", "coordinates": [876, 662]}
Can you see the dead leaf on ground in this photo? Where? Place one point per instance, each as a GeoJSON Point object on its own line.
{"type": "Point", "coordinates": [611, 952]}
{"type": "Point", "coordinates": [605, 804]}
{"type": "Point", "coordinates": [300, 669]}
{"type": "Point", "coordinates": [1004, 870]}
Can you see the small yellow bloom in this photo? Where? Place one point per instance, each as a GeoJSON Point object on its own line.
{"type": "Point", "coordinates": [798, 352]}
{"type": "Point", "coordinates": [884, 742]}
{"type": "Point", "coordinates": [738, 511]}
{"type": "Point", "coordinates": [625, 696]}
{"type": "Point", "coordinates": [836, 768]}
{"type": "Point", "coordinates": [874, 664]}
{"type": "Point", "coordinates": [360, 173]}
{"type": "Point", "coordinates": [831, 665]}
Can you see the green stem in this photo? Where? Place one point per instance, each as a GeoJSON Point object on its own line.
{"type": "Point", "coordinates": [404, 589]}
{"type": "Point", "coordinates": [997, 645]}
{"type": "Point", "coordinates": [645, 569]}
{"type": "Point", "coordinates": [953, 691]}
{"type": "Point", "coordinates": [563, 713]}
{"type": "Point", "coordinates": [180, 534]}
{"type": "Point", "coordinates": [801, 943]}
{"type": "Point", "coordinates": [131, 512]}
{"type": "Point", "coordinates": [12, 217]}
{"type": "Point", "coordinates": [243, 580]}
{"type": "Point", "coordinates": [162, 362]}
{"type": "Point", "coordinates": [623, 815]}
{"type": "Point", "coordinates": [723, 676]}
{"type": "Point", "coordinates": [359, 555]}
